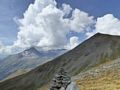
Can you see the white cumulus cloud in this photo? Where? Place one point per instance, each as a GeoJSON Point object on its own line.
{"type": "Point", "coordinates": [45, 25]}
{"type": "Point", "coordinates": [4, 50]}
{"type": "Point", "coordinates": [81, 21]}
{"type": "Point", "coordinates": [107, 24]}
{"type": "Point", "coordinates": [74, 41]}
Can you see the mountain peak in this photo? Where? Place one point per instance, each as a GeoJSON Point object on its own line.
{"type": "Point", "coordinates": [30, 51]}
{"type": "Point", "coordinates": [98, 33]}
{"type": "Point", "coordinates": [101, 34]}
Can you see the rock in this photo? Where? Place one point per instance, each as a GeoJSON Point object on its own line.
{"type": "Point", "coordinates": [60, 81]}
{"type": "Point", "coordinates": [72, 86]}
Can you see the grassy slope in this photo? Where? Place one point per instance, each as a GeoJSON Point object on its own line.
{"type": "Point", "coordinates": [104, 77]}
{"type": "Point", "coordinates": [91, 53]}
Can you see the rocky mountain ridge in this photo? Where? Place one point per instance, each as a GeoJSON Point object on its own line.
{"type": "Point", "coordinates": [93, 52]}
{"type": "Point", "coordinates": [26, 60]}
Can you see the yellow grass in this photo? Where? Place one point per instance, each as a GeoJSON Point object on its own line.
{"type": "Point", "coordinates": [109, 80]}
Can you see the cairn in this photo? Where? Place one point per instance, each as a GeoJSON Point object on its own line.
{"type": "Point", "coordinates": [61, 80]}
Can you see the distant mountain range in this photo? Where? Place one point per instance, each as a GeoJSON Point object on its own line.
{"type": "Point", "coordinates": [26, 60]}
{"type": "Point", "coordinates": [95, 51]}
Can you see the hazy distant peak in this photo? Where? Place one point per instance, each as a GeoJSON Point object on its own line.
{"type": "Point", "coordinates": [30, 52]}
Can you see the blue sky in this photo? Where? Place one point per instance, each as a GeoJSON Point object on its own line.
{"type": "Point", "coordinates": [10, 9]}
{"type": "Point", "coordinates": [96, 7]}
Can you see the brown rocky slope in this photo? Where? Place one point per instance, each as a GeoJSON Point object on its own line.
{"type": "Point", "coordinates": [96, 50]}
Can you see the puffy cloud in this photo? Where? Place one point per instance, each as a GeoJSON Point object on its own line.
{"type": "Point", "coordinates": [80, 21]}
{"type": "Point", "coordinates": [107, 24]}
{"type": "Point", "coordinates": [46, 29]}
{"type": "Point", "coordinates": [4, 49]}
{"type": "Point", "coordinates": [66, 9]}
{"type": "Point", "coordinates": [74, 41]}
{"type": "Point", "coordinates": [46, 26]}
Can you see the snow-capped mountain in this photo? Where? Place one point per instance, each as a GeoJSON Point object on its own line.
{"type": "Point", "coordinates": [26, 60]}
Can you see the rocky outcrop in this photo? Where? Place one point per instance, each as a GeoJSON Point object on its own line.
{"type": "Point", "coordinates": [60, 81]}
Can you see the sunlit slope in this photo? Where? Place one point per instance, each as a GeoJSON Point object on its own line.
{"type": "Point", "coordinates": [103, 77]}
{"type": "Point", "coordinates": [93, 52]}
